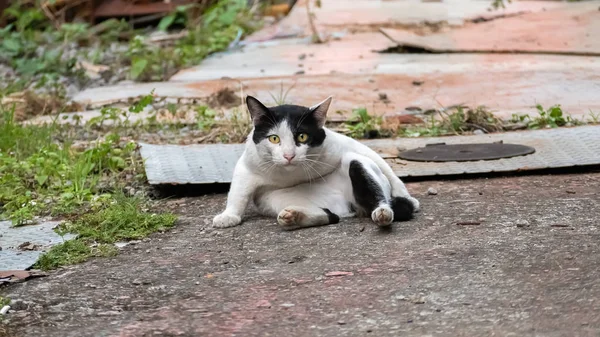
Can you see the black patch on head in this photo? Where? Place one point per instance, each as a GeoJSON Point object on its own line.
{"type": "Point", "coordinates": [403, 209]}
{"type": "Point", "coordinates": [367, 192]}
{"type": "Point", "coordinates": [333, 218]}
{"type": "Point", "coordinates": [300, 120]}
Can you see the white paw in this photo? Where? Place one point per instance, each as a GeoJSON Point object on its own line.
{"type": "Point", "coordinates": [225, 220]}
{"type": "Point", "coordinates": [289, 217]}
{"type": "Point", "coordinates": [383, 215]}
{"type": "Point", "coordinates": [415, 203]}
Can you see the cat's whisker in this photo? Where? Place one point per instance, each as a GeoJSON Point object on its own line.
{"type": "Point", "coordinates": [319, 162]}
{"type": "Point", "coordinates": [317, 172]}
{"type": "Point", "coordinates": [307, 173]}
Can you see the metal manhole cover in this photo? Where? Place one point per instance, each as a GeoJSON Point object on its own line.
{"type": "Point", "coordinates": [466, 152]}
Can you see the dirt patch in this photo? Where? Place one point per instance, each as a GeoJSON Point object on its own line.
{"type": "Point", "coordinates": [28, 104]}
{"type": "Point", "coordinates": [224, 98]}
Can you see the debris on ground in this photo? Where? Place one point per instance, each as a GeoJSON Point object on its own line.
{"type": "Point", "coordinates": [432, 191]}
{"type": "Point", "coordinates": [4, 310]}
{"type": "Point", "coordinates": [13, 276]}
{"type": "Point", "coordinates": [468, 223]}
{"type": "Point", "coordinates": [339, 273]}
{"type": "Point", "coordinates": [225, 98]}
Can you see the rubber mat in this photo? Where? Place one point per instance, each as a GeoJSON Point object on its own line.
{"type": "Point", "coordinates": [554, 148]}
{"type": "Point", "coordinates": [41, 236]}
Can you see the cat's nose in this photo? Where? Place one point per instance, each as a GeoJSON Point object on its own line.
{"type": "Point", "coordinates": [289, 157]}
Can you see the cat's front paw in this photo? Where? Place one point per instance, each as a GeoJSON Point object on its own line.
{"type": "Point", "coordinates": [382, 216]}
{"type": "Point", "coordinates": [225, 220]}
{"type": "Point", "coordinates": [289, 218]}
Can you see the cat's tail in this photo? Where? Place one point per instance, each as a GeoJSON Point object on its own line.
{"type": "Point", "coordinates": [403, 209]}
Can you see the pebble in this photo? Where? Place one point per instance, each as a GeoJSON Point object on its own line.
{"type": "Point", "coordinates": [288, 305]}
{"type": "Point", "coordinates": [522, 223]}
{"type": "Point", "coordinates": [478, 132]}
{"type": "Point", "coordinates": [432, 191]}
{"type": "Point", "coordinates": [4, 309]}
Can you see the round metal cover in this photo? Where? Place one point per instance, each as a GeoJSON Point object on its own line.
{"type": "Point", "coordinates": [466, 152]}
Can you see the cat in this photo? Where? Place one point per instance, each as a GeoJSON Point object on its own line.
{"type": "Point", "coordinates": [296, 169]}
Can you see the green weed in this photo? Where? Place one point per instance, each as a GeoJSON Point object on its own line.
{"type": "Point", "coordinates": [33, 46]}
{"type": "Point", "coordinates": [4, 301]}
{"type": "Point", "coordinates": [282, 95]}
{"type": "Point", "coordinates": [124, 218]}
{"type": "Point", "coordinates": [42, 173]}
{"type": "Point", "coordinates": [205, 117]}
{"type": "Point", "coordinates": [594, 117]}
{"type": "Point", "coordinates": [363, 125]}
{"type": "Point", "coordinates": [72, 252]}
{"type": "Point", "coordinates": [552, 117]}
{"type": "Point", "coordinates": [117, 218]}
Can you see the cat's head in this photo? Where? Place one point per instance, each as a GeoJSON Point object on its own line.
{"type": "Point", "coordinates": [284, 135]}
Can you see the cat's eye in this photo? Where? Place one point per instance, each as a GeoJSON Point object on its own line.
{"type": "Point", "coordinates": [274, 139]}
{"type": "Point", "coordinates": [302, 138]}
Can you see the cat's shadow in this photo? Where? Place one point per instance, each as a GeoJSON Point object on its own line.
{"type": "Point", "coordinates": [387, 230]}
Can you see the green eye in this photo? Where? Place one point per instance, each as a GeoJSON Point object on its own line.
{"type": "Point", "coordinates": [274, 139]}
{"type": "Point", "coordinates": [302, 138]}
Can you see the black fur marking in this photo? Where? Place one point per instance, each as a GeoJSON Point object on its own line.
{"type": "Point", "coordinates": [299, 118]}
{"type": "Point", "coordinates": [366, 190]}
{"type": "Point", "coordinates": [333, 218]}
{"type": "Point", "coordinates": [403, 209]}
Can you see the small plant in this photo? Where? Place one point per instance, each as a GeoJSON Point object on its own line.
{"type": "Point", "coordinates": [4, 301]}
{"type": "Point", "coordinates": [281, 97]}
{"type": "Point", "coordinates": [205, 117]}
{"type": "Point", "coordinates": [497, 4]}
{"type": "Point", "coordinates": [552, 117]}
{"type": "Point", "coordinates": [363, 125]}
{"type": "Point", "coordinates": [178, 17]}
{"type": "Point", "coordinates": [594, 117]}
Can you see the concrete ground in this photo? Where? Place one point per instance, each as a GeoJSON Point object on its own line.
{"type": "Point", "coordinates": [531, 267]}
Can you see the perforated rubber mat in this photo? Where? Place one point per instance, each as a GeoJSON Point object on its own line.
{"type": "Point", "coordinates": [554, 148]}
{"type": "Point", "coordinates": [466, 152]}
{"type": "Point", "coordinates": [41, 236]}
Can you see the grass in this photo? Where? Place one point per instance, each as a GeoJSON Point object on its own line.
{"type": "Point", "coordinates": [43, 174]}
{"type": "Point", "coordinates": [123, 218]}
{"type": "Point", "coordinates": [73, 252]}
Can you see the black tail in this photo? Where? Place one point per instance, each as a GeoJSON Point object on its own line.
{"type": "Point", "coordinates": [403, 209]}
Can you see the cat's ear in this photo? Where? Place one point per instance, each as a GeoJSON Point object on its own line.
{"type": "Point", "coordinates": [256, 108]}
{"type": "Point", "coordinates": [320, 111]}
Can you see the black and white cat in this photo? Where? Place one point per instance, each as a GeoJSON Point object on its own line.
{"type": "Point", "coordinates": [307, 175]}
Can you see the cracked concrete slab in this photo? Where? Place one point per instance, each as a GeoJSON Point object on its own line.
{"type": "Point", "coordinates": [530, 268]}
{"type": "Point", "coordinates": [506, 84]}
{"type": "Point", "coordinates": [570, 30]}
{"type": "Point", "coordinates": [363, 15]}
